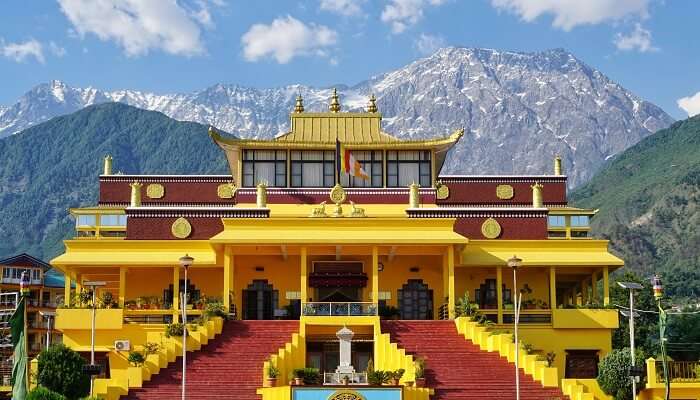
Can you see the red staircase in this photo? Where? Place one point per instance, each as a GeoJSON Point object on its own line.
{"type": "Point", "coordinates": [228, 367]}
{"type": "Point", "coordinates": [458, 369]}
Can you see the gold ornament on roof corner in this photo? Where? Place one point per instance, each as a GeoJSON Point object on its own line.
{"type": "Point", "coordinates": [334, 107]}
{"type": "Point", "coordinates": [181, 228]}
{"type": "Point", "coordinates": [226, 190]}
{"type": "Point", "coordinates": [504, 192]}
{"type": "Point", "coordinates": [442, 191]}
{"type": "Point", "coordinates": [491, 229]}
{"type": "Point", "coordinates": [155, 191]}
{"type": "Point", "coordinates": [344, 394]}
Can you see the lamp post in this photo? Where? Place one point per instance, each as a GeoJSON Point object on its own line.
{"type": "Point", "coordinates": [658, 295]}
{"type": "Point", "coordinates": [186, 262]}
{"type": "Point", "coordinates": [516, 263]}
{"type": "Point", "coordinates": [24, 290]}
{"type": "Point", "coordinates": [93, 285]}
{"type": "Point", "coordinates": [48, 315]}
{"type": "Point", "coordinates": [632, 286]}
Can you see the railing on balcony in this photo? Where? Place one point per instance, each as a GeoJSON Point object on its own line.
{"type": "Point", "coordinates": [353, 309]}
{"type": "Point", "coordinates": [336, 378]}
{"type": "Point", "coordinates": [527, 316]}
{"type": "Point", "coordinates": [679, 371]}
{"type": "Point", "coordinates": [16, 281]}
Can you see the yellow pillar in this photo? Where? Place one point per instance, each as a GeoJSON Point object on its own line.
{"type": "Point", "coordinates": [606, 286]}
{"type": "Point", "coordinates": [594, 285]}
{"type": "Point", "coordinates": [304, 275]}
{"type": "Point", "coordinates": [499, 292]}
{"type": "Point", "coordinates": [375, 274]}
{"type": "Point", "coordinates": [176, 292]}
{"type": "Point", "coordinates": [66, 288]}
{"type": "Point", "coordinates": [552, 288]}
{"type": "Point", "coordinates": [228, 273]}
{"type": "Point", "coordinates": [78, 283]}
{"type": "Point", "coordinates": [445, 279]}
{"type": "Point", "coordinates": [584, 291]}
{"type": "Point", "coordinates": [122, 286]}
{"type": "Point", "coordinates": [451, 281]}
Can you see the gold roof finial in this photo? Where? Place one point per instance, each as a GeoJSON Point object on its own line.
{"type": "Point", "coordinates": [334, 107]}
{"type": "Point", "coordinates": [299, 106]}
{"type": "Point", "coordinates": [372, 105]}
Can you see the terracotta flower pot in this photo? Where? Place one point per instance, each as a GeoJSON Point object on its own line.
{"type": "Point", "coordinates": [270, 382]}
{"type": "Point", "coordinates": [394, 382]}
{"type": "Point", "coordinates": [299, 381]}
{"type": "Point", "coordinates": [420, 382]}
{"type": "Point", "coordinates": [346, 380]}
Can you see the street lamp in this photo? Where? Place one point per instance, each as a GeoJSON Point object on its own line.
{"type": "Point", "coordinates": [658, 295]}
{"type": "Point", "coordinates": [48, 315]}
{"type": "Point", "coordinates": [186, 262]}
{"type": "Point", "coordinates": [516, 263]}
{"type": "Point", "coordinates": [93, 369]}
{"type": "Point", "coordinates": [632, 286]}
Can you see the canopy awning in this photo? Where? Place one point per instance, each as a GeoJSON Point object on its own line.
{"type": "Point", "coordinates": [118, 252]}
{"type": "Point", "coordinates": [539, 253]}
{"type": "Point", "coordinates": [339, 231]}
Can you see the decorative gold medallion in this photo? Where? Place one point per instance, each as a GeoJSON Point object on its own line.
{"type": "Point", "coordinates": [226, 190]}
{"type": "Point", "coordinates": [155, 191]}
{"type": "Point", "coordinates": [504, 192]}
{"type": "Point", "coordinates": [338, 195]}
{"type": "Point", "coordinates": [344, 394]}
{"type": "Point", "coordinates": [442, 190]}
{"type": "Point", "coordinates": [181, 228]}
{"type": "Point", "coordinates": [491, 229]}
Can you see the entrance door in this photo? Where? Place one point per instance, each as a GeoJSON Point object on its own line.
{"type": "Point", "coordinates": [260, 300]}
{"type": "Point", "coordinates": [415, 300]}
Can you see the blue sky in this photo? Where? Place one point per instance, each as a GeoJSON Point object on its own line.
{"type": "Point", "coordinates": [649, 46]}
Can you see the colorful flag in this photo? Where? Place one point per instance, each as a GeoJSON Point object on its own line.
{"type": "Point", "coordinates": [349, 164]}
{"type": "Point", "coordinates": [19, 366]}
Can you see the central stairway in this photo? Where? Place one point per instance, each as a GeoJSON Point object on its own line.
{"type": "Point", "coordinates": [458, 369]}
{"type": "Point", "coordinates": [228, 367]}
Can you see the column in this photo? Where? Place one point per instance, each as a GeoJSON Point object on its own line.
{"type": "Point", "coordinates": [375, 274]}
{"type": "Point", "coordinates": [552, 288]}
{"type": "Point", "coordinates": [451, 281]}
{"type": "Point", "coordinates": [228, 274]}
{"type": "Point", "coordinates": [445, 279]}
{"type": "Point", "coordinates": [78, 283]}
{"type": "Point", "coordinates": [584, 291]}
{"type": "Point", "coordinates": [606, 286]}
{"type": "Point", "coordinates": [499, 292]}
{"type": "Point", "coordinates": [176, 292]}
{"type": "Point", "coordinates": [594, 285]}
{"type": "Point", "coordinates": [304, 276]}
{"type": "Point", "coordinates": [66, 287]}
{"type": "Point", "coordinates": [122, 286]}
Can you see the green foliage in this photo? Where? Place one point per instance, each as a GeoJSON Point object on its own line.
{"type": "Point", "coordinates": [378, 377]}
{"type": "Point", "coordinates": [214, 309]}
{"type": "Point", "coordinates": [272, 370]}
{"type": "Point", "coordinates": [53, 166]}
{"type": "Point", "coordinates": [419, 364]}
{"type": "Point", "coordinates": [646, 329]}
{"type": "Point", "coordinates": [388, 312]}
{"type": "Point", "coordinates": [61, 370]}
{"type": "Point", "coordinates": [136, 358]}
{"type": "Point", "coordinates": [150, 348]}
{"type": "Point", "coordinates": [613, 373]}
{"type": "Point", "coordinates": [106, 300]}
{"type": "Point", "coordinates": [684, 336]}
{"type": "Point", "coordinates": [397, 374]}
{"type": "Point", "coordinates": [465, 307]}
{"type": "Point", "coordinates": [174, 329]}
{"type": "Point", "coordinates": [42, 393]}
{"type": "Point", "coordinates": [311, 376]}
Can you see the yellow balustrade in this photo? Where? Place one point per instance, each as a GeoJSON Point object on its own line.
{"type": "Point", "coordinates": [585, 318]}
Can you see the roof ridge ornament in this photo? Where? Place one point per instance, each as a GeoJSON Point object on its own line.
{"type": "Point", "coordinates": [299, 105]}
{"type": "Point", "coordinates": [334, 107]}
{"type": "Point", "coordinates": [372, 105]}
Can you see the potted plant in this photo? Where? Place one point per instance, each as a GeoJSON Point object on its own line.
{"type": "Point", "coordinates": [419, 364]}
{"type": "Point", "coordinates": [130, 305]}
{"type": "Point", "coordinates": [298, 376]}
{"type": "Point", "coordinates": [136, 358]}
{"type": "Point", "coordinates": [395, 376]}
{"type": "Point", "coordinates": [272, 374]}
{"type": "Point", "coordinates": [378, 377]}
{"type": "Point", "coordinates": [312, 376]}
{"type": "Point", "coordinates": [345, 380]}
{"type": "Point", "coordinates": [174, 329]}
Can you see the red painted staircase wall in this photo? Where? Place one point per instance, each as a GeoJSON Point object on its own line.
{"type": "Point", "coordinates": [458, 369]}
{"type": "Point", "coordinates": [228, 367]}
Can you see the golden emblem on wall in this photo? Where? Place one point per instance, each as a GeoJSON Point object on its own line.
{"type": "Point", "coordinates": [338, 196]}
{"type": "Point", "coordinates": [346, 395]}
{"type": "Point", "coordinates": [226, 190]}
{"type": "Point", "coordinates": [442, 191]}
{"type": "Point", "coordinates": [181, 228]}
{"type": "Point", "coordinates": [491, 229]}
{"type": "Point", "coordinates": [504, 192]}
{"type": "Point", "coordinates": [155, 191]}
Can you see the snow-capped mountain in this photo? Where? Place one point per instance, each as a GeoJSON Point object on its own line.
{"type": "Point", "coordinates": [518, 109]}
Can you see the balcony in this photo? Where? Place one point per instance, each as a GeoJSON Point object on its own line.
{"type": "Point", "coordinates": [81, 318]}
{"type": "Point", "coordinates": [16, 281]}
{"type": "Point", "coordinates": [345, 309]}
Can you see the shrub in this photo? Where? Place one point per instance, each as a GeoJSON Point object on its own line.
{"type": "Point", "coordinates": [215, 309]}
{"type": "Point", "coordinates": [106, 300]}
{"type": "Point", "coordinates": [136, 358]}
{"type": "Point", "coordinates": [419, 363]}
{"type": "Point", "coordinates": [398, 374]}
{"type": "Point", "coordinates": [174, 329]}
{"type": "Point", "coordinates": [272, 370]}
{"type": "Point", "coordinates": [311, 376]}
{"type": "Point", "coordinates": [150, 348]}
{"type": "Point", "coordinates": [613, 373]}
{"type": "Point", "coordinates": [377, 378]}
{"type": "Point", "coordinates": [42, 393]}
{"type": "Point", "coordinates": [61, 370]}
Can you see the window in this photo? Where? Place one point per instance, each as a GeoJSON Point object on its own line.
{"type": "Point", "coordinates": [313, 168]}
{"type": "Point", "coordinates": [86, 220]}
{"type": "Point", "coordinates": [267, 166]}
{"type": "Point", "coordinates": [36, 274]}
{"type": "Point", "coordinates": [113, 220]}
{"type": "Point", "coordinates": [580, 221]}
{"type": "Point", "coordinates": [406, 167]}
{"type": "Point", "coordinates": [557, 221]}
{"type": "Point", "coordinates": [371, 162]}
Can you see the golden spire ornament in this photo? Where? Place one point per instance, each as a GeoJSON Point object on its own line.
{"type": "Point", "coordinates": [299, 106]}
{"type": "Point", "coordinates": [372, 105]}
{"type": "Point", "coordinates": [334, 107]}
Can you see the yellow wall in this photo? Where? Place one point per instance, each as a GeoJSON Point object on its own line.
{"type": "Point", "coordinates": [209, 281]}
{"type": "Point", "coordinates": [147, 282]}
{"type": "Point", "coordinates": [470, 278]}
{"type": "Point", "coordinates": [396, 273]}
{"type": "Point", "coordinates": [282, 275]}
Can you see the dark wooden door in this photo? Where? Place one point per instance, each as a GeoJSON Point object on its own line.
{"type": "Point", "coordinates": [415, 300]}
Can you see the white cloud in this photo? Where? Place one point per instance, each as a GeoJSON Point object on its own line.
{"type": "Point", "coordinates": [19, 52]}
{"type": "Point", "coordinates": [348, 8]}
{"type": "Point", "coordinates": [639, 39]}
{"type": "Point", "coordinates": [690, 104]}
{"type": "Point", "coordinates": [286, 38]}
{"type": "Point", "coordinates": [401, 14]}
{"type": "Point", "coordinates": [56, 50]}
{"type": "Point", "coordinates": [570, 13]}
{"type": "Point", "coordinates": [140, 26]}
{"type": "Point", "coordinates": [428, 44]}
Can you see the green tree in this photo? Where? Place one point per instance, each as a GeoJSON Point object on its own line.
{"type": "Point", "coordinates": [613, 373]}
{"type": "Point", "coordinates": [684, 336]}
{"type": "Point", "coordinates": [42, 393]}
{"type": "Point", "coordinates": [61, 370]}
